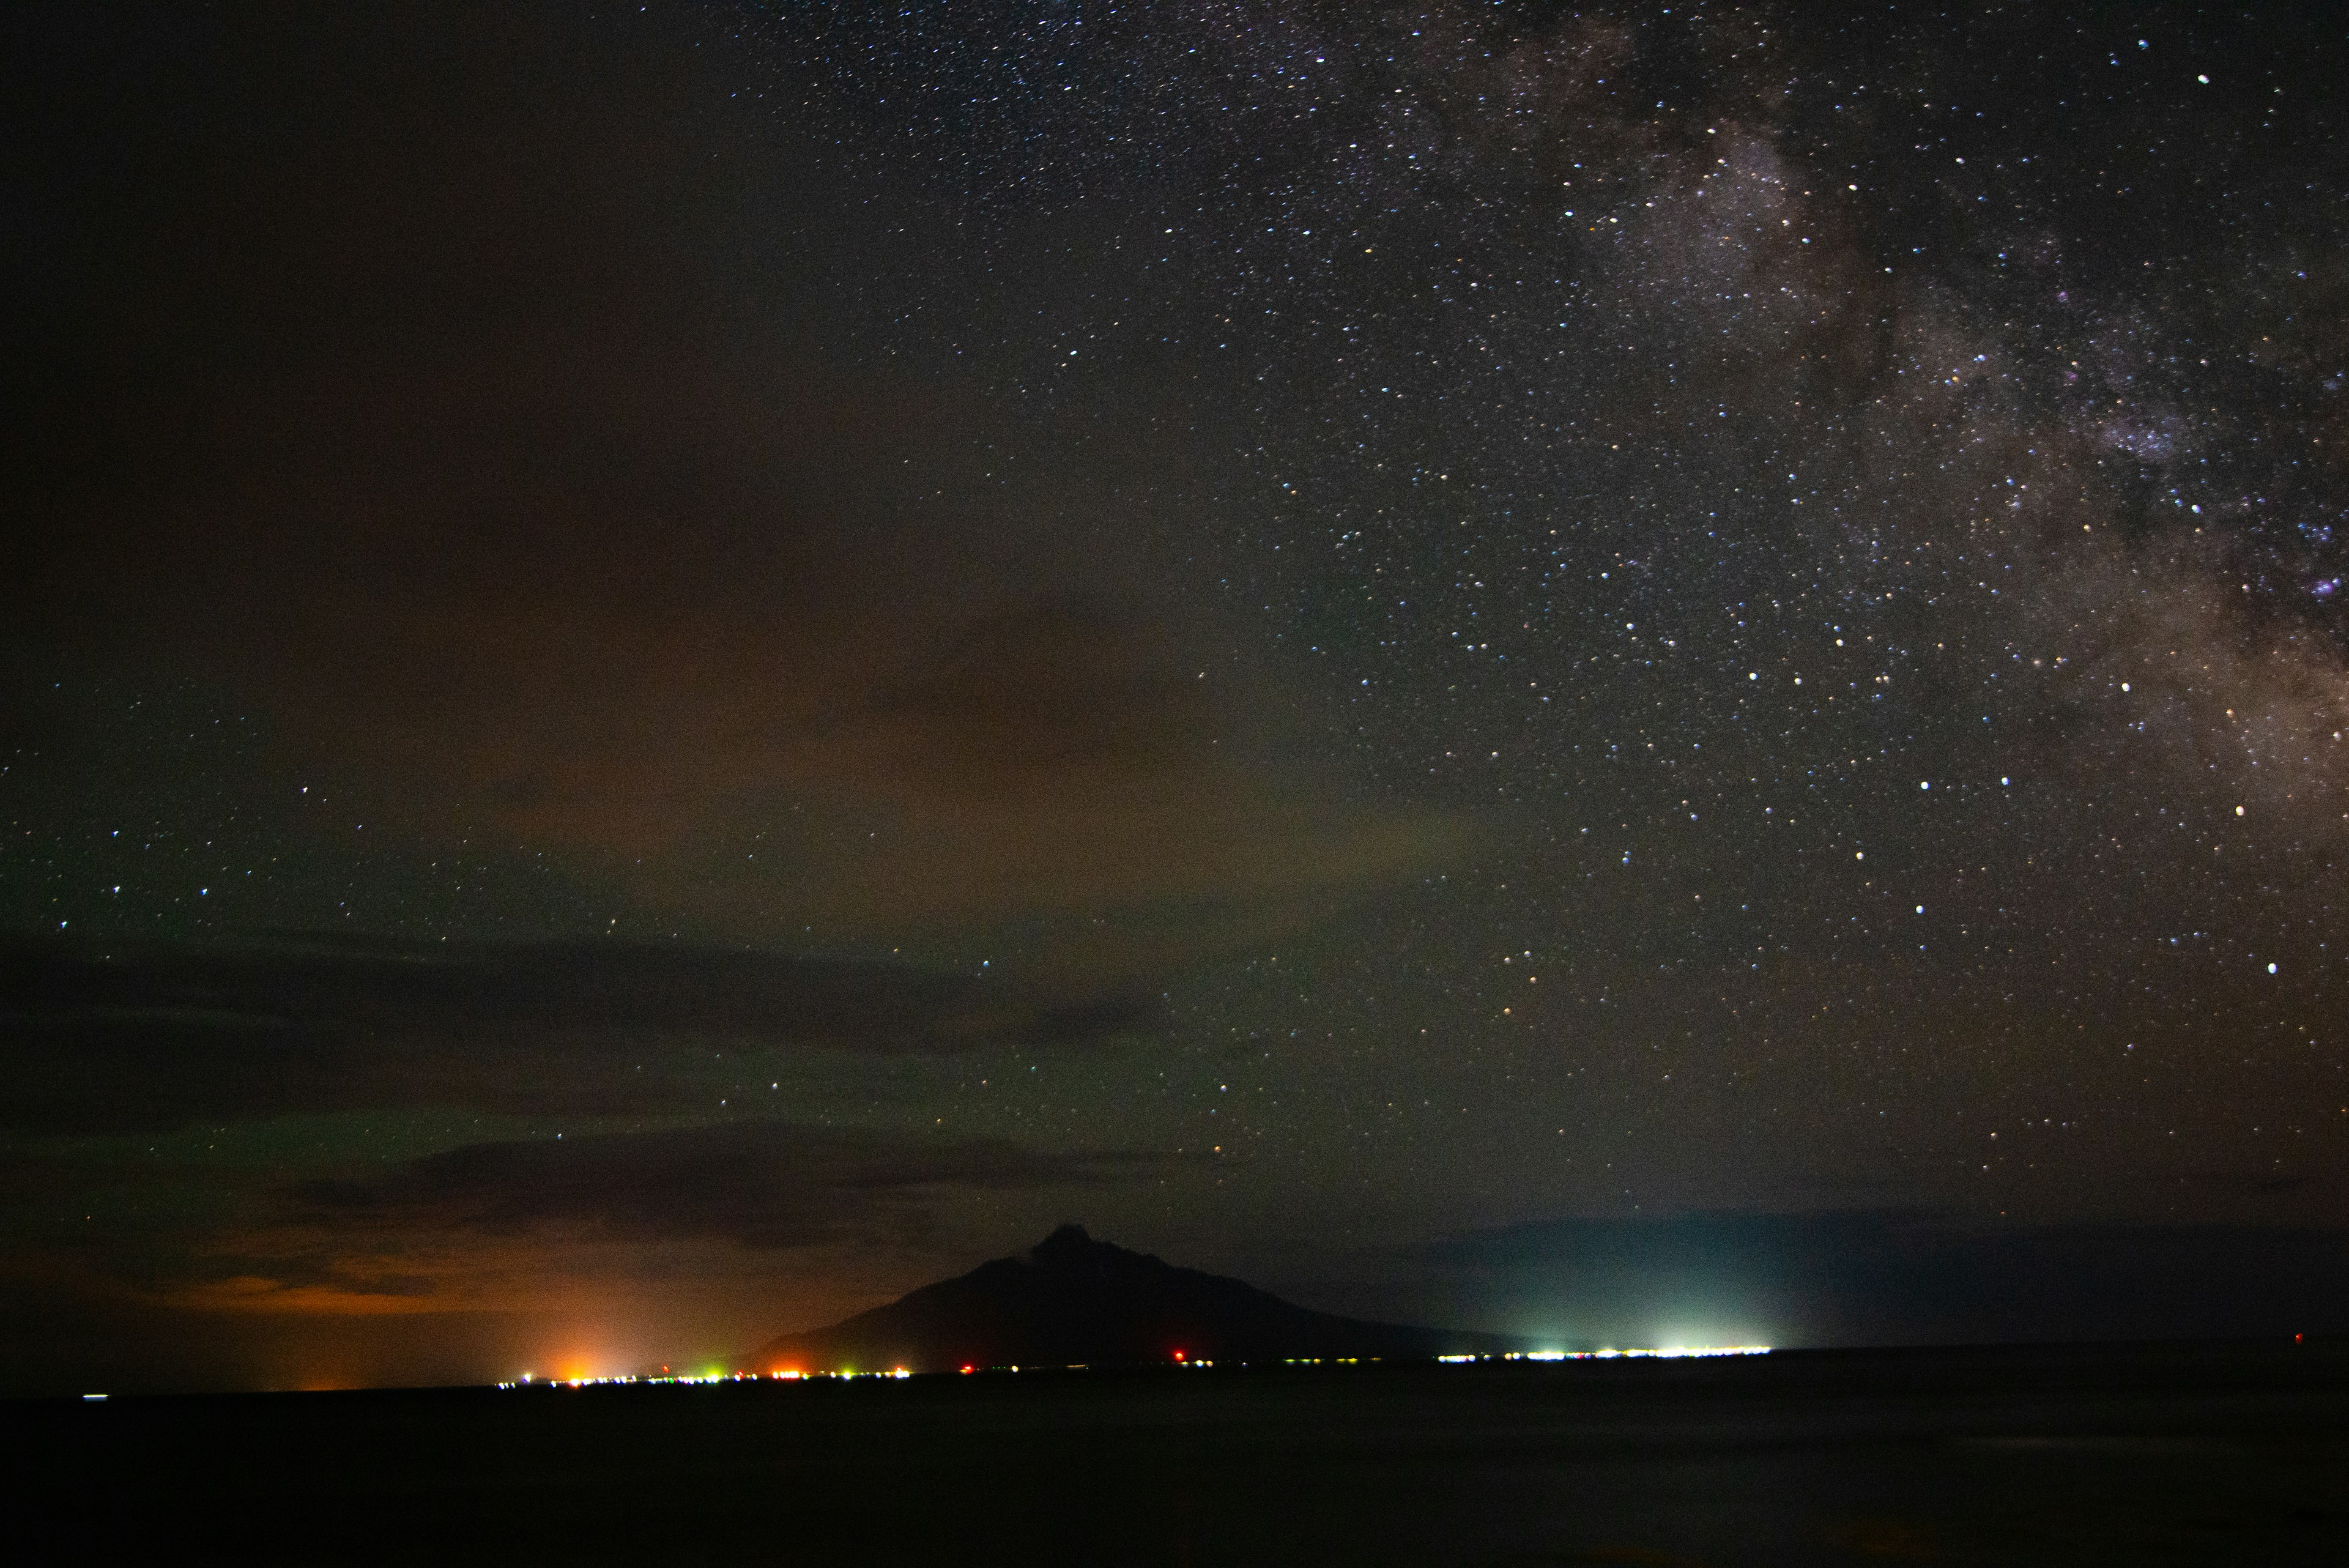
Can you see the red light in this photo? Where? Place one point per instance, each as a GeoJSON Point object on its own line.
{"type": "Point", "coordinates": [966, 1367]}
{"type": "Point", "coordinates": [1178, 1355]}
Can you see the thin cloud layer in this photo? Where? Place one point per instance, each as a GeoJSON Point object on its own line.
{"type": "Point", "coordinates": [136, 1037]}
{"type": "Point", "coordinates": [767, 1185]}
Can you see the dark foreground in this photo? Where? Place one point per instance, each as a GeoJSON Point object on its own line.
{"type": "Point", "coordinates": [2205, 1454]}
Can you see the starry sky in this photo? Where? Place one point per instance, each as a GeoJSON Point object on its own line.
{"type": "Point", "coordinates": [1628, 673]}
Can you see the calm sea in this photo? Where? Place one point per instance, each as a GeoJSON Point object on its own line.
{"type": "Point", "coordinates": [2139, 1455]}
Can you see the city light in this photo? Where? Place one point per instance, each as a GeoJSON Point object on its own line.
{"type": "Point", "coordinates": [1670, 1352]}
{"type": "Point", "coordinates": [1182, 1359]}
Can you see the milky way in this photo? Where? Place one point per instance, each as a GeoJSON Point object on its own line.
{"type": "Point", "coordinates": [1847, 509]}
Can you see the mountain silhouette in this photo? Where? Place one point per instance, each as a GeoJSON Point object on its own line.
{"type": "Point", "coordinates": [1075, 1301]}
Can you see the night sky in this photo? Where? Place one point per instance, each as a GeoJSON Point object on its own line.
{"type": "Point", "coordinates": [1634, 674]}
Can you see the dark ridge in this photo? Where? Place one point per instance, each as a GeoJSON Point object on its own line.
{"type": "Point", "coordinates": [1075, 1301]}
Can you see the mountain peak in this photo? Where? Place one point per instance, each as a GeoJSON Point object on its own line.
{"type": "Point", "coordinates": [1066, 1241]}
{"type": "Point", "coordinates": [1074, 1300]}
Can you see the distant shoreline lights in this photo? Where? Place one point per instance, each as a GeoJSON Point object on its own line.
{"type": "Point", "coordinates": [1672, 1352]}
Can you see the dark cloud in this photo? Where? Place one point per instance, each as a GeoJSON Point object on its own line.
{"type": "Point", "coordinates": [137, 1036]}
{"type": "Point", "coordinates": [1053, 694]}
{"type": "Point", "coordinates": [759, 1184]}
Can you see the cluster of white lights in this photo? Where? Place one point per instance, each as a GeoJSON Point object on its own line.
{"type": "Point", "coordinates": [842, 1374]}
{"type": "Point", "coordinates": [1672, 1354]}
